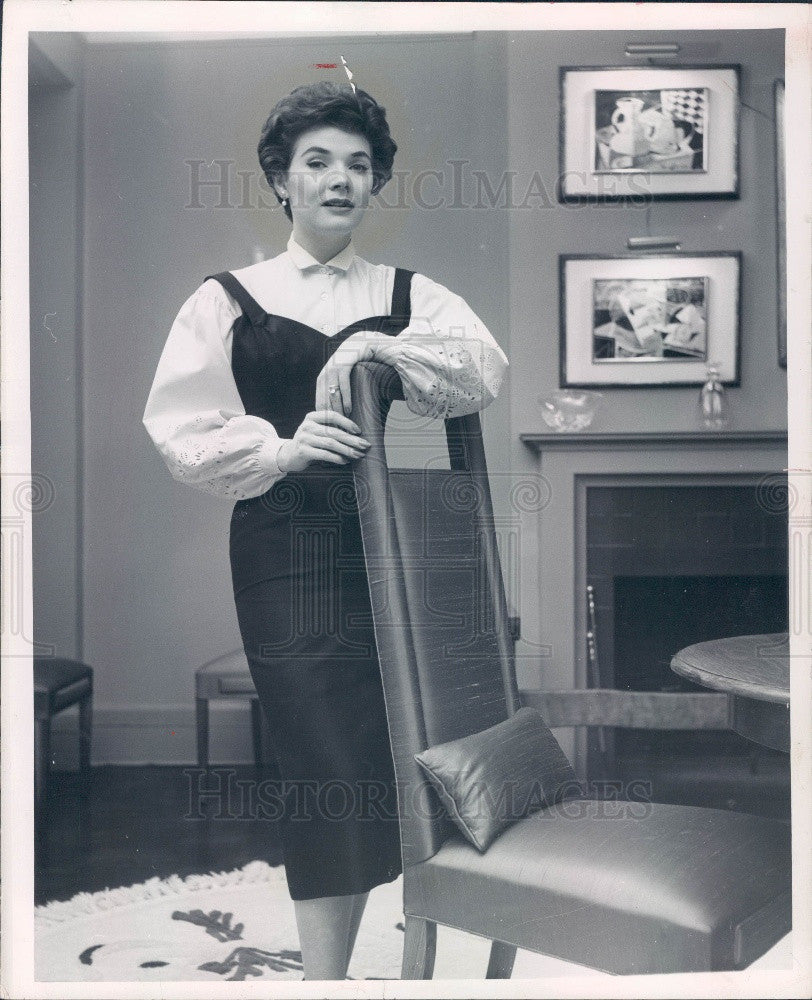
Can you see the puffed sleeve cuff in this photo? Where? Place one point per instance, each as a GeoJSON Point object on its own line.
{"type": "Point", "coordinates": [235, 459]}
{"type": "Point", "coordinates": [450, 377]}
{"type": "Point", "coordinates": [449, 363]}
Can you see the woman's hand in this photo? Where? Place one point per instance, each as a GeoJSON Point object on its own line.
{"type": "Point", "coordinates": [333, 383]}
{"type": "Point", "coordinates": [323, 436]}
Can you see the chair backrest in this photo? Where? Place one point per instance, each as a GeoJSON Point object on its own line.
{"type": "Point", "coordinates": [438, 600]}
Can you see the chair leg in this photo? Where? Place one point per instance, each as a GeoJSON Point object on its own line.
{"type": "Point", "coordinates": [256, 731]}
{"type": "Point", "coordinates": [419, 949]}
{"type": "Point", "coordinates": [202, 711]}
{"type": "Point", "coordinates": [500, 965]}
{"type": "Point", "coordinates": [85, 732]}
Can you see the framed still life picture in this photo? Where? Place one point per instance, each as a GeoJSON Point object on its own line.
{"type": "Point", "coordinates": [649, 320]}
{"type": "Point", "coordinates": [648, 132]}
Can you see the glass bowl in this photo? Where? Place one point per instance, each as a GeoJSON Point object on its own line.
{"type": "Point", "coordinates": [569, 410]}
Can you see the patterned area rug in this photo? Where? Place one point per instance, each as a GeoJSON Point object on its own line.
{"type": "Point", "coordinates": [229, 926]}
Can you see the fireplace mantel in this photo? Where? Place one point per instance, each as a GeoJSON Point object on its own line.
{"type": "Point", "coordinates": [569, 441]}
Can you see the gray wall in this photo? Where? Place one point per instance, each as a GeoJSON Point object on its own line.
{"type": "Point", "coordinates": [156, 590]}
{"type": "Point", "coordinates": [55, 116]}
{"type": "Point", "coordinates": [157, 587]}
{"type": "Point", "coordinates": [540, 233]}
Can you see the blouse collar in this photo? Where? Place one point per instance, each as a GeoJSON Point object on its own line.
{"type": "Point", "coordinates": [302, 259]}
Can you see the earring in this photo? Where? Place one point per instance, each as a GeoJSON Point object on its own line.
{"type": "Point", "coordinates": [284, 203]}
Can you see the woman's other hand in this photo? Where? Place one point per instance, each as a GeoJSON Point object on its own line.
{"type": "Point", "coordinates": [333, 383]}
{"type": "Point", "coordinates": [323, 436]}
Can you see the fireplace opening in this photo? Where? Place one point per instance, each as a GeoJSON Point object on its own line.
{"type": "Point", "coordinates": [657, 615]}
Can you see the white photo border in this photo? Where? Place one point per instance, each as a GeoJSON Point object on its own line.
{"type": "Point", "coordinates": [142, 20]}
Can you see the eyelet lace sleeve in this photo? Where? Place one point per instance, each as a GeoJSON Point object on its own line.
{"type": "Point", "coordinates": [194, 413]}
{"type": "Point", "coordinates": [449, 363]}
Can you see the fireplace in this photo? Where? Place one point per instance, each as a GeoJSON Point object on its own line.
{"type": "Point", "coordinates": [682, 539]}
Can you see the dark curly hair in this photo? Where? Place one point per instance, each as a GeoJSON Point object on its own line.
{"type": "Point", "coordinates": [318, 104]}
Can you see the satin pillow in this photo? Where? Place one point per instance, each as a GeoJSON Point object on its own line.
{"type": "Point", "coordinates": [490, 780]}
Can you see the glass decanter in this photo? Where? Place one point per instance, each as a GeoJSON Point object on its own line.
{"type": "Point", "coordinates": [714, 408]}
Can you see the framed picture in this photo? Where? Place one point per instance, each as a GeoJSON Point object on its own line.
{"type": "Point", "coordinates": [781, 222]}
{"type": "Point", "coordinates": [643, 132]}
{"type": "Point", "coordinates": [649, 320]}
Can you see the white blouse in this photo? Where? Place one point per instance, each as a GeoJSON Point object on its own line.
{"type": "Point", "coordinates": [194, 413]}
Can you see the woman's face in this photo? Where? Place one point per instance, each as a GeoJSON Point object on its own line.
{"type": "Point", "coordinates": [329, 181]}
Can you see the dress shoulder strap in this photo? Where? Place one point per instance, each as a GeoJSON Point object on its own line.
{"type": "Point", "coordinates": [402, 293]}
{"type": "Point", "coordinates": [249, 305]}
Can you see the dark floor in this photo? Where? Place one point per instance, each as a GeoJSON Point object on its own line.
{"type": "Point", "coordinates": [129, 824]}
{"type": "Point", "coordinates": [132, 823]}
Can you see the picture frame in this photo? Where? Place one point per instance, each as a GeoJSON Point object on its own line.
{"type": "Point", "coordinates": [634, 320]}
{"type": "Point", "coordinates": [781, 222]}
{"type": "Point", "coordinates": [637, 133]}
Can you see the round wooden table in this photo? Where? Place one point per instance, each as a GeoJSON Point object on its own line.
{"type": "Point", "coordinates": [753, 670]}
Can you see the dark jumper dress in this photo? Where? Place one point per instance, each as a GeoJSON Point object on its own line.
{"type": "Point", "coordinates": [303, 607]}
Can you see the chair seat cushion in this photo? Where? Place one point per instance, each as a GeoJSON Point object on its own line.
{"type": "Point", "coordinates": [51, 675]}
{"type": "Point", "coordinates": [618, 886]}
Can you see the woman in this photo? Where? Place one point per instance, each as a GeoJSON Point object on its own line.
{"type": "Point", "coordinates": [251, 401]}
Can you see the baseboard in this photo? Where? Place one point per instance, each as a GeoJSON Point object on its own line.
{"type": "Point", "coordinates": [154, 734]}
